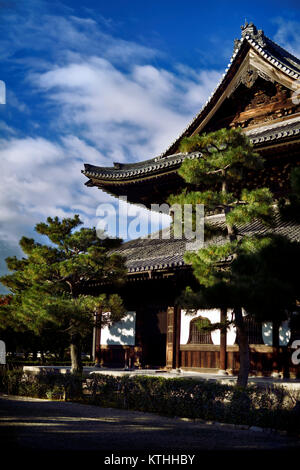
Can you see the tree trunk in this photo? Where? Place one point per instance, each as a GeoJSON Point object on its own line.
{"type": "Point", "coordinates": [281, 362]}
{"type": "Point", "coordinates": [61, 354]}
{"type": "Point", "coordinates": [42, 357]}
{"type": "Point", "coordinates": [223, 341]}
{"type": "Point", "coordinates": [97, 338]}
{"type": "Point", "coordinates": [75, 349]}
{"type": "Point", "coordinates": [243, 348]}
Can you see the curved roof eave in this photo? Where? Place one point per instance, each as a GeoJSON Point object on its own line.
{"type": "Point", "coordinates": [245, 42]}
{"type": "Point", "coordinates": [283, 131]}
{"type": "Point", "coordinates": [168, 161]}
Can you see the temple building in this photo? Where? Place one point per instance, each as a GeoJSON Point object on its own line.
{"type": "Point", "coordinates": [258, 92]}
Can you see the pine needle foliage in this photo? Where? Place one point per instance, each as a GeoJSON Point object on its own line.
{"type": "Point", "coordinates": [49, 284]}
{"type": "Point", "coordinates": [234, 274]}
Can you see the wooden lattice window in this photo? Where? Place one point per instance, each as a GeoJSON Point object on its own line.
{"type": "Point", "coordinates": [198, 336]}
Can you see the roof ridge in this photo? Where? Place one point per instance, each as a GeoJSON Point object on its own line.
{"type": "Point", "coordinates": [259, 36]}
{"type": "Point", "coordinates": [269, 51]}
{"type": "Point", "coordinates": [251, 35]}
{"type": "Point", "coordinates": [283, 50]}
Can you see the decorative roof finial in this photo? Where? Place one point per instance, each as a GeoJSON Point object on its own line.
{"type": "Point", "coordinates": [249, 29]}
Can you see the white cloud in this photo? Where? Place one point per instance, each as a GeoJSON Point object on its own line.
{"type": "Point", "coordinates": [102, 99]}
{"type": "Point", "coordinates": [288, 35]}
{"type": "Point", "coordinates": [60, 35]}
{"type": "Point", "coordinates": [40, 179]}
{"type": "Point", "coordinates": [129, 115]}
{"type": "Point", "coordinates": [15, 102]}
{"type": "Point", "coordinates": [6, 129]}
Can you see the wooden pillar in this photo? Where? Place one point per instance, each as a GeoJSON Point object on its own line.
{"type": "Point", "coordinates": [177, 336]}
{"type": "Point", "coordinates": [276, 353]}
{"type": "Point", "coordinates": [223, 341]}
{"type": "Point", "coordinates": [97, 337]}
{"type": "Point", "coordinates": [126, 357]}
{"type": "Point", "coordinates": [173, 338]}
{"type": "Point", "coordinates": [170, 338]}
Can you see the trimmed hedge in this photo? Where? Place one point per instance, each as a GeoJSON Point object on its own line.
{"type": "Point", "coordinates": [43, 385]}
{"type": "Point", "coordinates": [272, 407]}
{"type": "Point", "coordinates": [173, 397]}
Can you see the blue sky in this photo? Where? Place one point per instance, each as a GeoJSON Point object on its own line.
{"type": "Point", "coordinates": [103, 82]}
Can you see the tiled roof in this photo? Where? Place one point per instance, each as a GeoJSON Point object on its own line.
{"type": "Point", "coordinates": [151, 254]}
{"type": "Point", "coordinates": [275, 131]}
{"type": "Point", "coordinates": [128, 171]}
{"type": "Point", "coordinates": [269, 50]}
{"type": "Point", "coordinates": [272, 132]}
{"type": "Point", "coordinates": [289, 129]}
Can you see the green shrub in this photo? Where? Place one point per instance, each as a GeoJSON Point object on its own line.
{"type": "Point", "coordinates": [10, 380]}
{"type": "Point", "coordinates": [272, 407]}
{"type": "Point", "coordinates": [43, 385]}
{"type": "Point", "coordinates": [254, 406]}
{"type": "Point", "coordinates": [56, 393]}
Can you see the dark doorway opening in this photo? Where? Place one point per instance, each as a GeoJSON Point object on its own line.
{"type": "Point", "coordinates": [152, 328]}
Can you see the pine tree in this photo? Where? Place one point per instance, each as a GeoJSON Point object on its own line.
{"type": "Point", "coordinates": [290, 204]}
{"type": "Point", "coordinates": [49, 284]}
{"type": "Point", "coordinates": [226, 157]}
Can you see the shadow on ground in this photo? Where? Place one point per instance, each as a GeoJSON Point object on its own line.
{"type": "Point", "coordinates": [37, 426]}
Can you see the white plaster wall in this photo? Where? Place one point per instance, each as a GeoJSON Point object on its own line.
{"type": "Point", "coordinates": [284, 333]}
{"type": "Point", "coordinates": [214, 316]}
{"type": "Point", "coordinates": [2, 352]}
{"type": "Point", "coordinates": [121, 333]}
